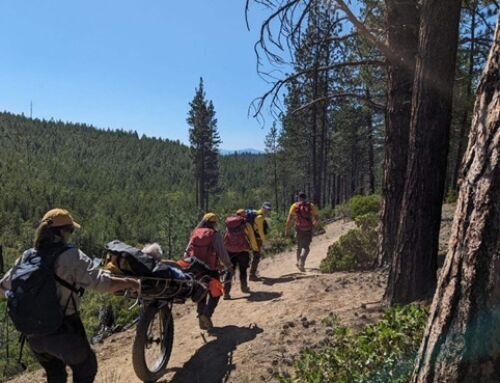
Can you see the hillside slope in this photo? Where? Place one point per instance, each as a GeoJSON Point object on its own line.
{"type": "Point", "coordinates": [117, 184]}
{"type": "Point", "coordinates": [257, 335]}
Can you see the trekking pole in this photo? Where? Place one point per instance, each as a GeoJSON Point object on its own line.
{"type": "Point", "coordinates": [5, 335]}
{"type": "Point", "coordinates": [22, 341]}
{"type": "Point", "coordinates": [2, 264]}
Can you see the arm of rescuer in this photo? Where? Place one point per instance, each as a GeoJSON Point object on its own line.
{"type": "Point", "coordinates": [292, 216]}
{"type": "Point", "coordinates": [315, 215]}
{"type": "Point", "coordinates": [254, 246]}
{"type": "Point", "coordinates": [76, 267]}
{"type": "Point", "coordinates": [260, 222]}
{"type": "Point", "coordinates": [221, 252]}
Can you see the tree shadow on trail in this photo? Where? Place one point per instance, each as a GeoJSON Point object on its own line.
{"type": "Point", "coordinates": [284, 278]}
{"type": "Point", "coordinates": [263, 296]}
{"type": "Point", "coordinates": [213, 362]}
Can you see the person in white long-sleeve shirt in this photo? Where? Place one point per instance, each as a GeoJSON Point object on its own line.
{"type": "Point", "coordinates": [68, 346]}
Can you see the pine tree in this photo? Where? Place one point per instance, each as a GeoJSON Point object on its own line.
{"type": "Point", "coordinates": [272, 147]}
{"type": "Point", "coordinates": [205, 142]}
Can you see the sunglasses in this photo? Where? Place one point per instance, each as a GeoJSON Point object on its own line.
{"type": "Point", "coordinates": [70, 229]}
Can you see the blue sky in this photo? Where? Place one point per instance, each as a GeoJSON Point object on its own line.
{"type": "Point", "coordinates": [132, 65]}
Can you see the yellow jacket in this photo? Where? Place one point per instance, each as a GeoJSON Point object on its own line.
{"type": "Point", "coordinates": [260, 225]}
{"type": "Point", "coordinates": [251, 238]}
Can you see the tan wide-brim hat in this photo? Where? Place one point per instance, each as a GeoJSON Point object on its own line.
{"type": "Point", "coordinates": [59, 217]}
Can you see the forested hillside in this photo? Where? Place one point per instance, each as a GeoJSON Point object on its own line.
{"type": "Point", "coordinates": [117, 184]}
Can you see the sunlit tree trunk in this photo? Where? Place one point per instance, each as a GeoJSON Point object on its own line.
{"type": "Point", "coordinates": [413, 270]}
{"type": "Point", "coordinates": [402, 27]}
{"type": "Point", "coordinates": [462, 339]}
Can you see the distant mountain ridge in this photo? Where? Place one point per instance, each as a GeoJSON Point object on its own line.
{"type": "Point", "coordinates": [228, 152]}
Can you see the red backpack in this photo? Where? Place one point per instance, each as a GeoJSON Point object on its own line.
{"type": "Point", "coordinates": [304, 216]}
{"type": "Point", "coordinates": [202, 247]}
{"type": "Point", "coordinates": [235, 238]}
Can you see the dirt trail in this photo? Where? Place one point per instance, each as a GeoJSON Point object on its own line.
{"type": "Point", "coordinates": [257, 335]}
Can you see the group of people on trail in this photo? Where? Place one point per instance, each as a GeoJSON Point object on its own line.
{"type": "Point", "coordinates": [45, 286]}
{"type": "Point", "coordinates": [239, 248]}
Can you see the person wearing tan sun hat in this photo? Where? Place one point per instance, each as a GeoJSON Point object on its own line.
{"type": "Point", "coordinates": [73, 272]}
{"type": "Point", "coordinates": [60, 217]}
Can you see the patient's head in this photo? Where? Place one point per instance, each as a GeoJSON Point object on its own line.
{"type": "Point", "coordinates": [153, 250]}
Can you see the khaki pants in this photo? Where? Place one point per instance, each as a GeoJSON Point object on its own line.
{"type": "Point", "coordinates": [304, 239]}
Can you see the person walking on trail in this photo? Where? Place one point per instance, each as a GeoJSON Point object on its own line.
{"type": "Point", "coordinates": [306, 217]}
{"type": "Point", "coordinates": [239, 240]}
{"type": "Point", "coordinates": [205, 252]}
{"type": "Point", "coordinates": [257, 218]}
{"type": "Point", "coordinates": [43, 291]}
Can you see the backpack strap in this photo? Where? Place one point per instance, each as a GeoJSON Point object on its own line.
{"type": "Point", "coordinates": [62, 282]}
{"type": "Point", "coordinates": [299, 212]}
{"type": "Point", "coordinates": [69, 286]}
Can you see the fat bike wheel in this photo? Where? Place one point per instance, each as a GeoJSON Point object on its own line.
{"type": "Point", "coordinates": [153, 343]}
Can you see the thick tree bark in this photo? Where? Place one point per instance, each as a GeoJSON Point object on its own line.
{"type": "Point", "coordinates": [413, 270]}
{"type": "Point", "coordinates": [402, 24]}
{"type": "Point", "coordinates": [462, 339]}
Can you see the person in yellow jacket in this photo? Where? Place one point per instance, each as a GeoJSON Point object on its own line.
{"type": "Point", "coordinates": [258, 220]}
{"type": "Point", "coordinates": [306, 217]}
{"type": "Point", "coordinates": [239, 241]}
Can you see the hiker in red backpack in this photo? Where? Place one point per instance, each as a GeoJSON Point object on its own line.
{"type": "Point", "coordinates": [239, 240]}
{"type": "Point", "coordinates": [306, 217]}
{"type": "Point", "coordinates": [205, 252]}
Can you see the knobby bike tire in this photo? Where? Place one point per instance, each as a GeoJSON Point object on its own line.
{"type": "Point", "coordinates": [138, 351]}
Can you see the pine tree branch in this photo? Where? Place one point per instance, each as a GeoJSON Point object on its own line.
{"type": "Point", "coordinates": [372, 104]}
{"type": "Point", "coordinates": [258, 103]}
{"type": "Point", "coordinates": [363, 30]}
{"type": "Point", "coordinates": [485, 22]}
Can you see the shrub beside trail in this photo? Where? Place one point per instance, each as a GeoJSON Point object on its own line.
{"type": "Point", "coordinates": [379, 353]}
{"type": "Point", "coordinates": [355, 250]}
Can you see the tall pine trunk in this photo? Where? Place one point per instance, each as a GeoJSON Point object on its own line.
{"type": "Point", "coordinates": [468, 94]}
{"type": "Point", "coordinates": [462, 339]}
{"type": "Point", "coordinates": [371, 152]}
{"type": "Point", "coordinates": [413, 270]}
{"type": "Point", "coordinates": [402, 25]}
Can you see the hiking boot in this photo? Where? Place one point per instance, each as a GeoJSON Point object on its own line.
{"type": "Point", "coordinates": [227, 297]}
{"type": "Point", "coordinates": [245, 289]}
{"type": "Point", "coordinates": [301, 268]}
{"type": "Point", "coordinates": [254, 278]}
{"type": "Point", "coordinates": [205, 322]}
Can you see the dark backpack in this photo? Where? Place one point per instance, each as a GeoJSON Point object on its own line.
{"type": "Point", "coordinates": [32, 301]}
{"type": "Point", "coordinates": [251, 214]}
{"type": "Point", "coordinates": [304, 216]}
{"type": "Point", "coordinates": [235, 238]}
{"type": "Point", "coordinates": [129, 260]}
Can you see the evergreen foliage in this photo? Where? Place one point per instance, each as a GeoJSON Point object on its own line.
{"type": "Point", "coordinates": [379, 353]}
{"type": "Point", "coordinates": [116, 185]}
{"type": "Point", "coordinates": [205, 141]}
{"type": "Point", "coordinates": [355, 250]}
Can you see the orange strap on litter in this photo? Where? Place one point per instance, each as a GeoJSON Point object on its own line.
{"type": "Point", "coordinates": [216, 288]}
{"type": "Point", "coordinates": [183, 264]}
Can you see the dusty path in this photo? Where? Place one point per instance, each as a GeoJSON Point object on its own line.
{"type": "Point", "coordinates": [257, 335]}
